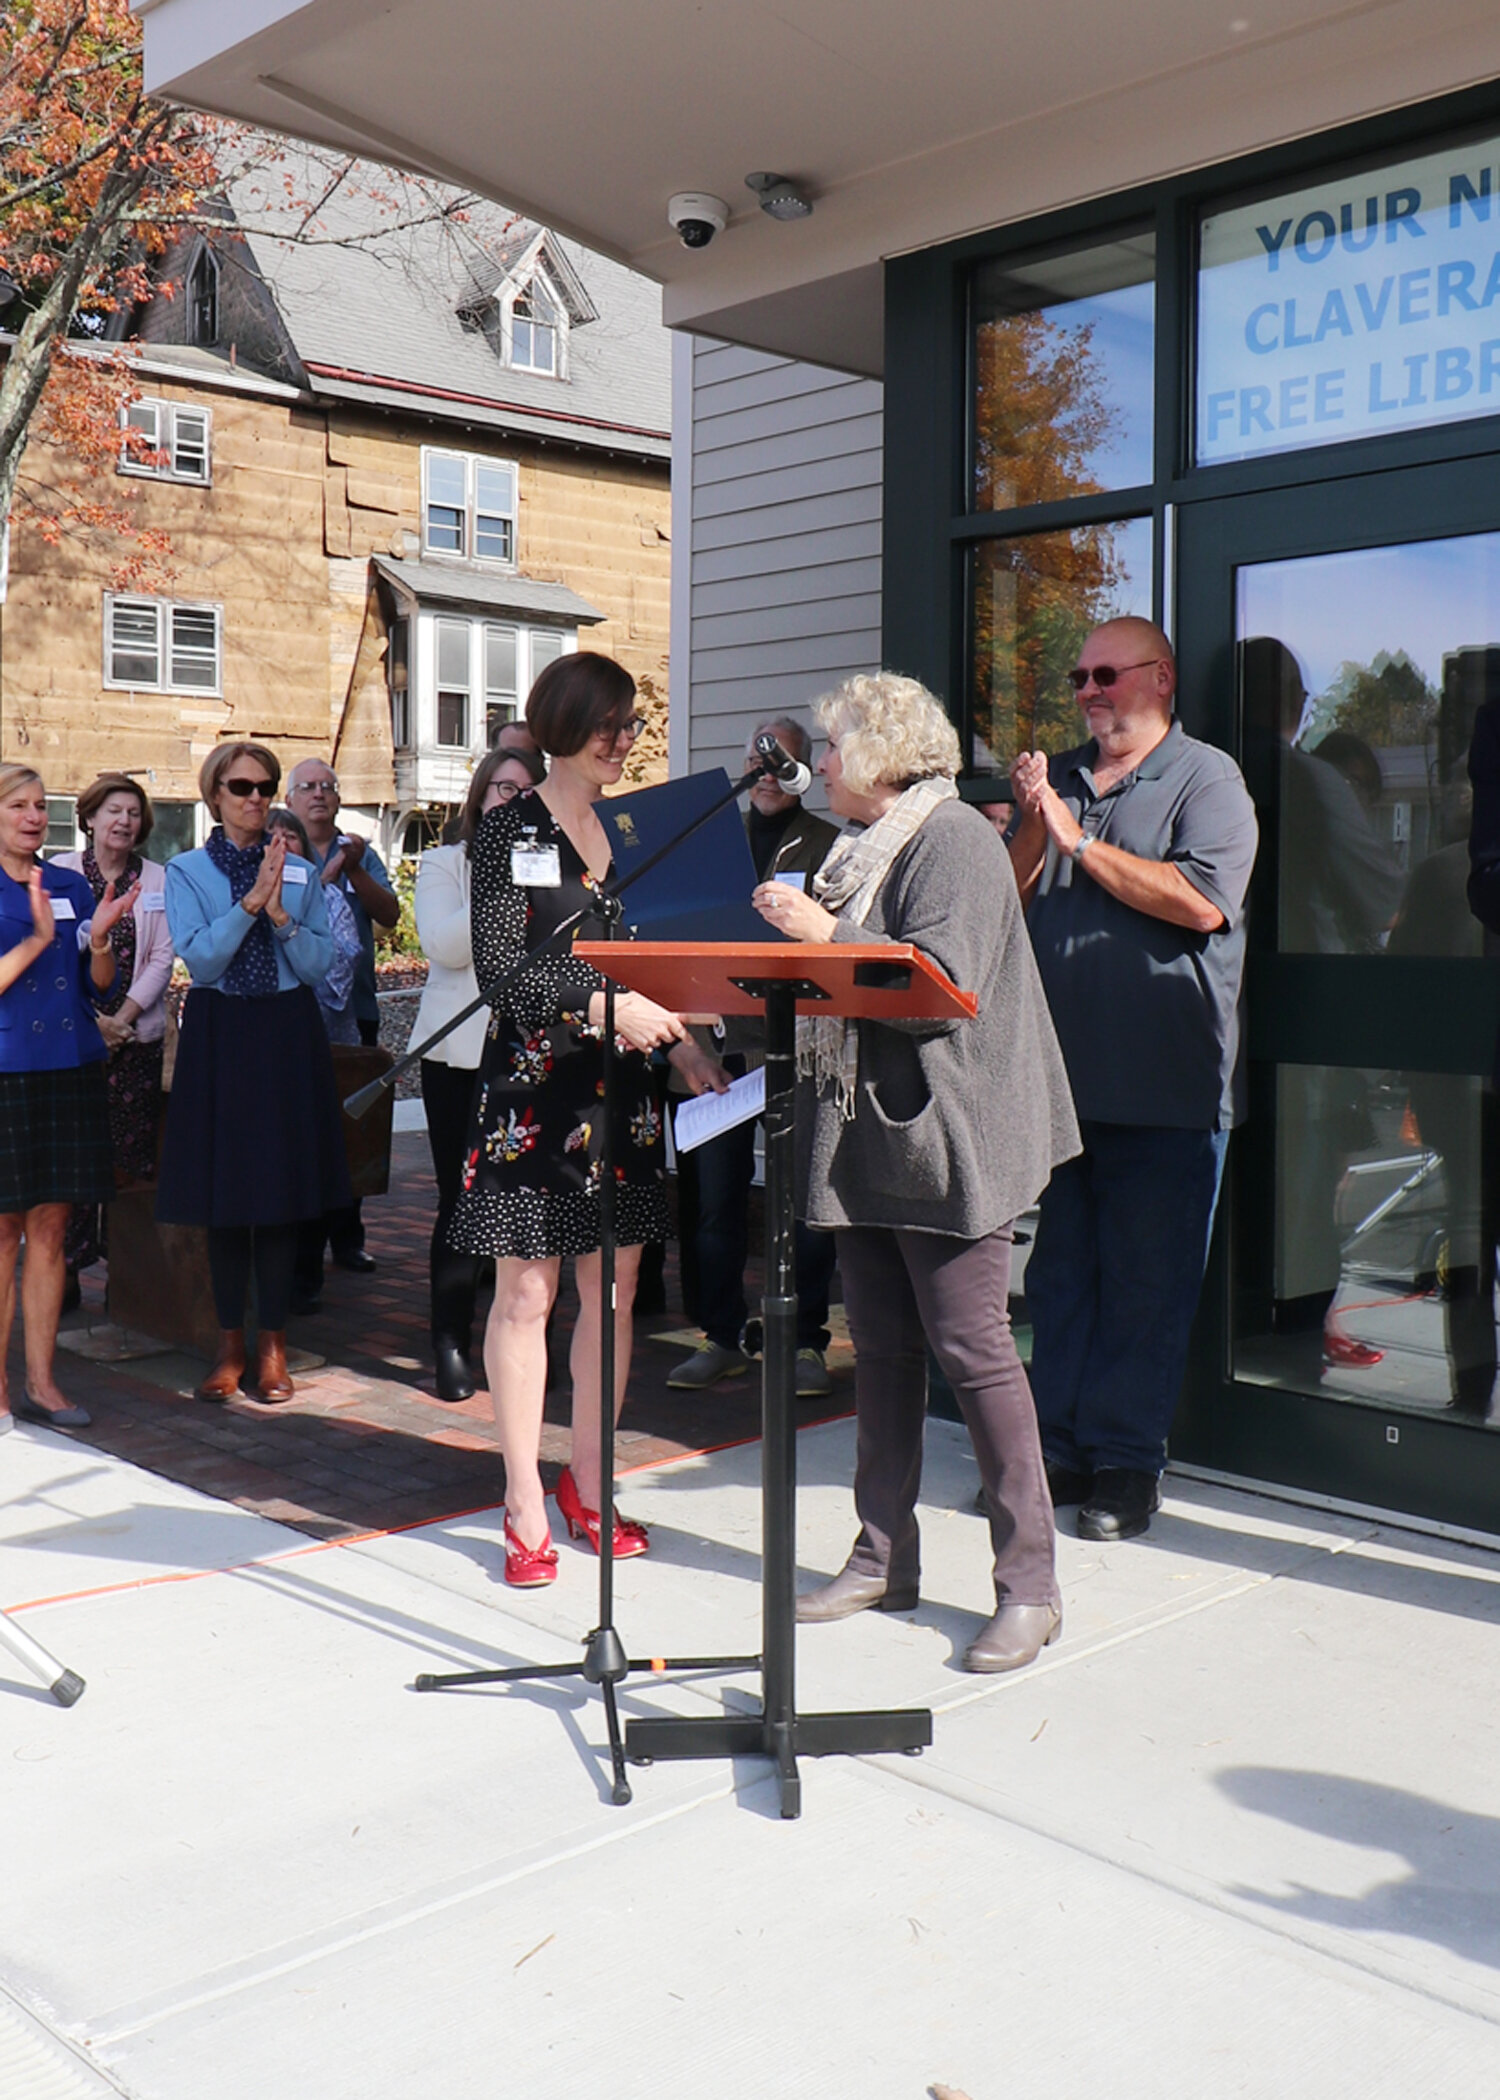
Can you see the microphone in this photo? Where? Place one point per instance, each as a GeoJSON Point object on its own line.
{"type": "Point", "coordinates": [788, 772]}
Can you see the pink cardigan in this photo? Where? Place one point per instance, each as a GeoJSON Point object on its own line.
{"type": "Point", "coordinates": [153, 948]}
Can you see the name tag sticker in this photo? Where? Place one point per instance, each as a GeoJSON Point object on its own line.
{"type": "Point", "coordinates": [536, 867]}
{"type": "Point", "coordinates": [152, 900]}
{"type": "Point", "coordinates": [62, 907]}
{"type": "Point", "coordinates": [295, 876]}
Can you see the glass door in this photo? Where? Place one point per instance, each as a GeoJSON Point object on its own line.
{"type": "Point", "coordinates": [1343, 640]}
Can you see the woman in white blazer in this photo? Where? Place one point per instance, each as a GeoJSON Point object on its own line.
{"type": "Point", "coordinates": [116, 816]}
{"type": "Point", "coordinates": [448, 1072]}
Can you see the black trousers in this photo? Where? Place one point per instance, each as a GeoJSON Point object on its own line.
{"type": "Point", "coordinates": [233, 1251]}
{"type": "Point", "coordinates": [902, 1291]}
{"type": "Point", "coordinates": [447, 1095]}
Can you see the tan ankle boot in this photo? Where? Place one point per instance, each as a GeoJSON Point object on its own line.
{"type": "Point", "coordinates": [272, 1380]}
{"type": "Point", "coordinates": [223, 1381]}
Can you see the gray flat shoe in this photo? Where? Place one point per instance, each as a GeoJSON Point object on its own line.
{"type": "Point", "coordinates": [29, 1410]}
{"type": "Point", "coordinates": [7, 1423]}
{"type": "Point", "coordinates": [851, 1592]}
{"type": "Point", "coordinates": [1014, 1637]}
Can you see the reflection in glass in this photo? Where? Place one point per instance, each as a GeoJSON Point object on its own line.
{"type": "Point", "coordinates": [1034, 599]}
{"type": "Point", "coordinates": [1360, 677]}
{"type": "Point", "coordinates": [1062, 373]}
{"type": "Point", "coordinates": [1382, 1280]}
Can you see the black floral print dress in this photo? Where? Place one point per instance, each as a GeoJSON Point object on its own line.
{"type": "Point", "coordinates": [532, 1168]}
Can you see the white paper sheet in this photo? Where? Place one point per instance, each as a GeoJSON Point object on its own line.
{"type": "Point", "coordinates": [710, 1115]}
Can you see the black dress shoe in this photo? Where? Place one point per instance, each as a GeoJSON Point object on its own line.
{"type": "Point", "coordinates": [357, 1262]}
{"type": "Point", "coordinates": [454, 1379]}
{"type": "Point", "coordinates": [1120, 1505]}
{"type": "Point", "coordinates": [1068, 1484]}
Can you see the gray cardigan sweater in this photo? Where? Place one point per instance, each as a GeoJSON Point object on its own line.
{"type": "Point", "coordinates": [958, 1124]}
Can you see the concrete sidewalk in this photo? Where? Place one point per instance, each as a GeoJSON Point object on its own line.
{"type": "Point", "coordinates": [1235, 1834]}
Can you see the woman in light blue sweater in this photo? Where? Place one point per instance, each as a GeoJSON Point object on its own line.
{"type": "Point", "coordinates": [254, 1142]}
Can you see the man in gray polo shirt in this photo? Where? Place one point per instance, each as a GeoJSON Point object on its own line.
{"type": "Point", "coordinates": [1133, 854]}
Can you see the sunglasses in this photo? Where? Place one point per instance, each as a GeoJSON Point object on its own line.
{"type": "Point", "coordinates": [1104, 675]}
{"type": "Point", "coordinates": [244, 789]}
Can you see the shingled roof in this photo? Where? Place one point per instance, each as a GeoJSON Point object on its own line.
{"type": "Point", "coordinates": [374, 307]}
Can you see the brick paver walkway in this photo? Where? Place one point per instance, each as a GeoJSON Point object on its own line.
{"type": "Point", "coordinates": [366, 1445]}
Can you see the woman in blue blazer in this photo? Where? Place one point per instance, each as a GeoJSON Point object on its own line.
{"type": "Point", "coordinates": [254, 1143]}
{"type": "Point", "coordinates": [55, 959]}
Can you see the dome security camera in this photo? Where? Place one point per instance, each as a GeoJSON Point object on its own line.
{"type": "Point", "coordinates": [697, 217]}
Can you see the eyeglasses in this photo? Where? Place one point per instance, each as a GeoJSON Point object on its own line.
{"type": "Point", "coordinates": [503, 790]}
{"type": "Point", "coordinates": [315, 787]}
{"type": "Point", "coordinates": [244, 789]}
{"type": "Point", "coordinates": [629, 730]}
{"type": "Point", "coordinates": [1104, 675]}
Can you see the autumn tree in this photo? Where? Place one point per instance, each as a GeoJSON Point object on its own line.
{"type": "Point", "coordinates": [99, 182]}
{"type": "Point", "coordinates": [1385, 702]}
{"type": "Point", "coordinates": [1041, 418]}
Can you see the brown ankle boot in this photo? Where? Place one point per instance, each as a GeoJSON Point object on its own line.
{"type": "Point", "coordinates": [223, 1381]}
{"type": "Point", "coordinates": [272, 1381]}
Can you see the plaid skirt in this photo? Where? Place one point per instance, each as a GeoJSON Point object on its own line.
{"type": "Point", "coordinates": [54, 1138]}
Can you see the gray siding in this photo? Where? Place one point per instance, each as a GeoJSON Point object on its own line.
{"type": "Point", "coordinates": [776, 523]}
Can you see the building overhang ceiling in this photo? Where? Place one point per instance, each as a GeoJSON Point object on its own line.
{"type": "Point", "coordinates": [907, 125]}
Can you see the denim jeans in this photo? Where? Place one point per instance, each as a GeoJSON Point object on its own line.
{"type": "Point", "coordinates": [1112, 1285]}
{"type": "Point", "coordinates": [725, 1169]}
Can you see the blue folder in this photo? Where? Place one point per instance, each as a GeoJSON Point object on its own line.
{"type": "Point", "coordinates": [701, 892]}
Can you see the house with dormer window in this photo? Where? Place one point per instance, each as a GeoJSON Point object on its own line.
{"type": "Point", "coordinates": [402, 469]}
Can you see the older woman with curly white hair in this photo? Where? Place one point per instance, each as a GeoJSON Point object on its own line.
{"type": "Point", "coordinates": [922, 1141]}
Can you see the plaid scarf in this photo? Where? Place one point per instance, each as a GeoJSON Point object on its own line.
{"type": "Point", "coordinates": [252, 974]}
{"type": "Point", "coordinates": [848, 883]}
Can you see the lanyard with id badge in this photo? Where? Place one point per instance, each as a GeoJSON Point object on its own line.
{"type": "Point", "coordinates": [535, 866]}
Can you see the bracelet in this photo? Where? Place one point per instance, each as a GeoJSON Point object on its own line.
{"type": "Point", "coordinates": [95, 949]}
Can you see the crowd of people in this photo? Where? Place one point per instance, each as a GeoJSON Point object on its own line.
{"type": "Point", "coordinates": [1094, 906]}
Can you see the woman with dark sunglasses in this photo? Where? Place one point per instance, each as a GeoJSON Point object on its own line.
{"type": "Point", "coordinates": [253, 1142]}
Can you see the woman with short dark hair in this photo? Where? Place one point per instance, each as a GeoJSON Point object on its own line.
{"type": "Point", "coordinates": [926, 1140]}
{"type": "Point", "coordinates": [530, 1182]}
{"type": "Point", "coordinates": [116, 816]}
{"type": "Point", "coordinates": [254, 1142]}
{"type": "Point", "coordinates": [442, 910]}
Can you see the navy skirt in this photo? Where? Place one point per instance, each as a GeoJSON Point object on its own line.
{"type": "Point", "coordinates": [254, 1134]}
{"type": "Point", "coordinates": [54, 1138]}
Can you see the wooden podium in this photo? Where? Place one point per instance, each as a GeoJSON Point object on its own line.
{"type": "Point", "coordinates": [881, 981]}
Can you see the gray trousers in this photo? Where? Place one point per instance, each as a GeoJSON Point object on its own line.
{"type": "Point", "coordinates": [903, 1290]}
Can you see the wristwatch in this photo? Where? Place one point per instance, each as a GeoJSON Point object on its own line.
{"type": "Point", "coordinates": [1084, 843]}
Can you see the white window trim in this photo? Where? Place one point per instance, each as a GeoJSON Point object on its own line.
{"type": "Point", "coordinates": [423, 674]}
{"type": "Point", "coordinates": [163, 608]}
{"type": "Point", "coordinates": [559, 326]}
{"type": "Point", "coordinates": [472, 462]}
{"type": "Point", "coordinates": [167, 413]}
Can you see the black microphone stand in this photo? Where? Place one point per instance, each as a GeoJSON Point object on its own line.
{"type": "Point", "coordinates": [604, 1661]}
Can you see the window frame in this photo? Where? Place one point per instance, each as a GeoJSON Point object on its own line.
{"type": "Point", "coordinates": [206, 265]}
{"type": "Point", "coordinates": [442, 686]}
{"type": "Point", "coordinates": [166, 645]}
{"type": "Point", "coordinates": [557, 326]}
{"type": "Point", "coordinates": [474, 463]}
{"type": "Point", "coordinates": [168, 414]}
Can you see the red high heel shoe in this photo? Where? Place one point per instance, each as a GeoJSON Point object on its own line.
{"type": "Point", "coordinates": [630, 1539]}
{"type": "Point", "coordinates": [528, 1567]}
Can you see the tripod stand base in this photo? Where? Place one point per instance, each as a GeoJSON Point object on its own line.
{"type": "Point", "coordinates": [905, 1729]}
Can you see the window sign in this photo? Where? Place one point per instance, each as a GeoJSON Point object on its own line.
{"type": "Point", "coordinates": [1364, 304]}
